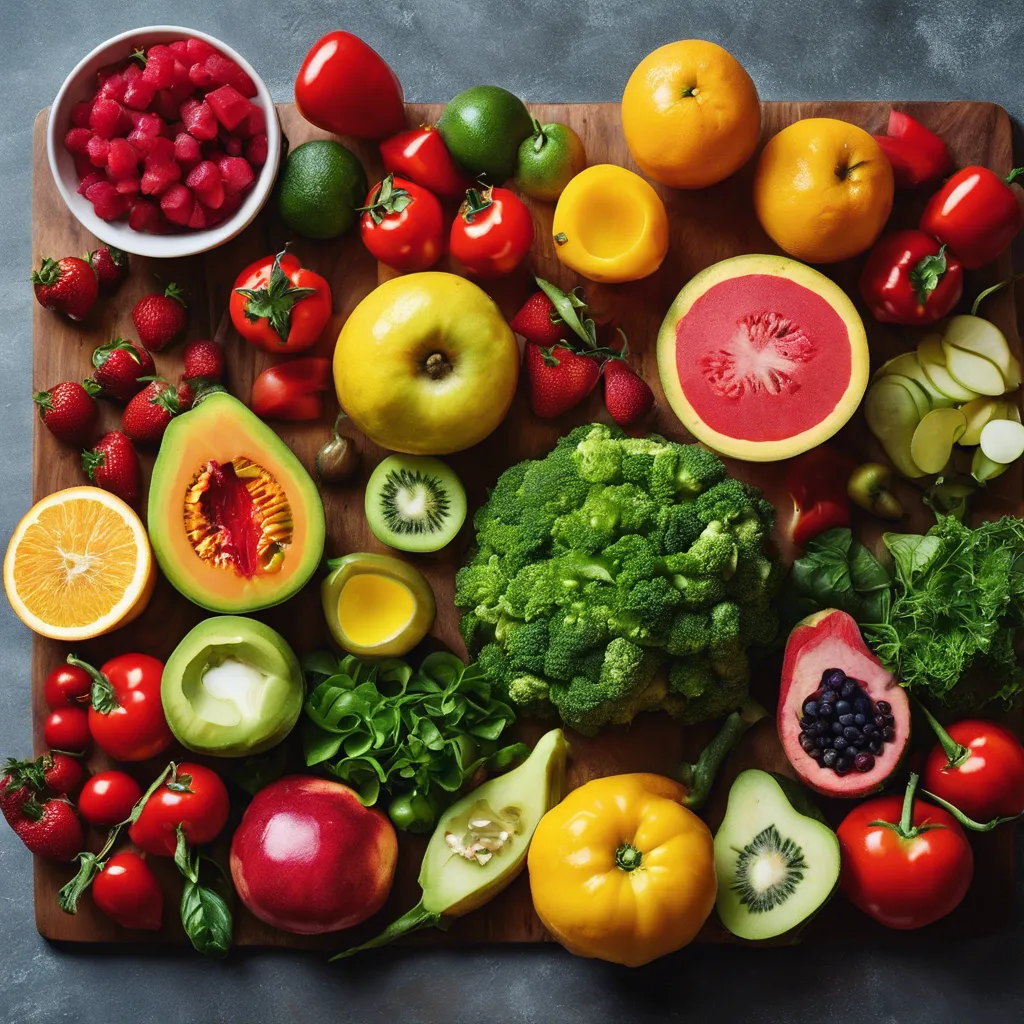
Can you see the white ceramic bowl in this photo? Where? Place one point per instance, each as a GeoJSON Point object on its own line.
{"type": "Point", "coordinates": [81, 84]}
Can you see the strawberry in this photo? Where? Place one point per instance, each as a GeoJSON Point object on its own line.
{"type": "Point", "coordinates": [58, 773]}
{"type": "Point", "coordinates": [559, 378]}
{"type": "Point", "coordinates": [48, 827]}
{"type": "Point", "coordinates": [69, 410]}
{"type": "Point", "coordinates": [159, 319]}
{"type": "Point", "coordinates": [111, 266]}
{"type": "Point", "coordinates": [627, 396]}
{"type": "Point", "coordinates": [122, 368]}
{"type": "Point", "coordinates": [186, 394]}
{"type": "Point", "coordinates": [66, 286]}
{"type": "Point", "coordinates": [113, 465]}
{"type": "Point", "coordinates": [148, 413]}
{"type": "Point", "coordinates": [538, 321]}
{"type": "Point", "coordinates": [204, 360]}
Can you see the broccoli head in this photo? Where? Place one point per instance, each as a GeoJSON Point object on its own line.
{"type": "Point", "coordinates": [619, 575]}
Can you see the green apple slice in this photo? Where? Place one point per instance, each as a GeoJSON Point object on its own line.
{"type": "Point", "coordinates": [1014, 379]}
{"type": "Point", "coordinates": [973, 371]}
{"type": "Point", "coordinates": [933, 361]}
{"type": "Point", "coordinates": [984, 469]}
{"type": "Point", "coordinates": [982, 338]}
{"type": "Point", "coordinates": [907, 365]}
{"type": "Point", "coordinates": [892, 416]}
{"type": "Point", "coordinates": [918, 393]}
{"type": "Point", "coordinates": [978, 412]}
{"type": "Point", "coordinates": [933, 440]}
{"type": "Point", "coordinates": [1002, 441]}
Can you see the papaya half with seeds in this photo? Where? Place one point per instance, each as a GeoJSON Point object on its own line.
{"type": "Point", "coordinates": [235, 521]}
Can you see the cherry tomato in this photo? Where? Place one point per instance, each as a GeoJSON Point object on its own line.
{"type": "Point", "coordinates": [909, 871]}
{"type": "Point", "coordinates": [346, 87]}
{"type": "Point", "coordinates": [910, 278]}
{"type": "Point", "coordinates": [292, 390]}
{"type": "Point", "coordinates": [193, 797]}
{"type": "Point", "coordinates": [127, 891]}
{"type": "Point", "coordinates": [976, 214]}
{"type": "Point", "coordinates": [980, 771]}
{"type": "Point", "coordinates": [279, 306]}
{"type": "Point", "coordinates": [67, 729]}
{"type": "Point", "coordinates": [421, 156]}
{"type": "Point", "coordinates": [67, 684]}
{"type": "Point", "coordinates": [108, 798]}
{"type": "Point", "coordinates": [492, 233]}
{"type": "Point", "coordinates": [403, 225]}
{"type": "Point", "coordinates": [126, 717]}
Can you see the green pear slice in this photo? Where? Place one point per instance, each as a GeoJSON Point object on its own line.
{"type": "Point", "coordinates": [933, 440]}
{"type": "Point", "coordinates": [984, 469]}
{"type": "Point", "coordinates": [1013, 381]}
{"type": "Point", "coordinates": [933, 362]}
{"type": "Point", "coordinates": [908, 365]}
{"type": "Point", "coordinates": [892, 416]}
{"type": "Point", "coordinates": [920, 397]}
{"type": "Point", "coordinates": [977, 413]}
{"type": "Point", "coordinates": [1002, 441]}
{"type": "Point", "coordinates": [982, 338]}
{"type": "Point", "coordinates": [973, 371]}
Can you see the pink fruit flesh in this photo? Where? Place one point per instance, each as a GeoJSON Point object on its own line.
{"type": "Point", "coordinates": [236, 174]}
{"type": "Point", "coordinates": [177, 203]}
{"type": "Point", "coordinates": [257, 150]}
{"type": "Point", "coordinates": [832, 640]}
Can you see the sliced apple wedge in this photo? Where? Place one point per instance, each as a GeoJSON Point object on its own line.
{"type": "Point", "coordinates": [973, 371]}
{"type": "Point", "coordinates": [1014, 380]}
{"type": "Point", "coordinates": [933, 361]}
{"type": "Point", "coordinates": [978, 412]}
{"type": "Point", "coordinates": [1002, 441]}
{"type": "Point", "coordinates": [984, 469]}
{"type": "Point", "coordinates": [892, 416]}
{"type": "Point", "coordinates": [909, 366]}
{"type": "Point", "coordinates": [924, 406]}
{"type": "Point", "coordinates": [933, 440]}
{"type": "Point", "coordinates": [982, 338]}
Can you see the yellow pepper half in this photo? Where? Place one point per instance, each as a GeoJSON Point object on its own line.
{"type": "Point", "coordinates": [621, 870]}
{"type": "Point", "coordinates": [610, 225]}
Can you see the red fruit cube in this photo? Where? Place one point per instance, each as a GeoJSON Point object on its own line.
{"type": "Point", "coordinates": [97, 148]}
{"type": "Point", "coordinates": [198, 50]}
{"type": "Point", "coordinates": [229, 106]}
{"type": "Point", "coordinates": [254, 123]}
{"type": "Point", "coordinates": [83, 165]}
{"type": "Point", "coordinates": [181, 79]}
{"type": "Point", "coordinates": [129, 186]}
{"type": "Point", "coordinates": [213, 217]}
{"type": "Point", "coordinates": [199, 119]}
{"type": "Point", "coordinates": [108, 203]}
{"type": "Point", "coordinates": [144, 215]}
{"type": "Point", "coordinates": [199, 76]}
{"type": "Point", "coordinates": [167, 104]}
{"type": "Point", "coordinates": [232, 145]}
{"type": "Point", "coordinates": [141, 142]}
{"type": "Point", "coordinates": [212, 151]}
{"type": "Point", "coordinates": [80, 114]}
{"type": "Point", "coordinates": [177, 204]}
{"type": "Point", "coordinates": [230, 205]}
{"type": "Point", "coordinates": [222, 70]}
{"type": "Point", "coordinates": [108, 118]}
{"type": "Point", "coordinates": [204, 179]}
{"type": "Point", "coordinates": [151, 124]}
{"type": "Point", "coordinates": [176, 129]}
{"type": "Point", "coordinates": [88, 180]}
{"type": "Point", "coordinates": [257, 150]}
{"type": "Point", "coordinates": [77, 139]}
{"type": "Point", "coordinates": [159, 71]}
{"type": "Point", "coordinates": [186, 150]}
{"type": "Point", "coordinates": [122, 160]}
{"type": "Point", "coordinates": [138, 93]}
{"type": "Point", "coordinates": [162, 151]}
{"type": "Point", "coordinates": [236, 174]}
{"type": "Point", "coordinates": [158, 176]}
{"type": "Point", "coordinates": [112, 83]}
{"type": "Point", "coordinates": [180, 49]}
{"type": "Point", "coordinates": [197, 222]}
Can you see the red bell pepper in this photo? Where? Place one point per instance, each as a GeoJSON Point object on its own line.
{"type": "Point", "coordinates": [817, 482]}
{"type": "Point", "coordinates": [976, 214]}
{"type": "Point", "coordinates": [292, 390]}
{"type": "Point", "coordinates": [910, 278]}
{"type": "Point", "coordinates": [916, 154]}
{"type": "Point", "coordinates": [421, 155]}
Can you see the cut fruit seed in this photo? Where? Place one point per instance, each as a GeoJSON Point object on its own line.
{"type": "Point", "coordinates": [933, 440]}
{"type": "Point", "coordinates": [1002, 441]}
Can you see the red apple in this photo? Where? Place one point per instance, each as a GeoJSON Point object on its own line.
{"type": "Point", "coordinates": [308, 857]}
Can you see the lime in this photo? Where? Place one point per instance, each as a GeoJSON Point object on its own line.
{"type": "Point", "coordinates": [548, 160]}
{"type": "Point", "coordinates": [320, 188]}
{"type": "Point", "coordinates": [482, 128]}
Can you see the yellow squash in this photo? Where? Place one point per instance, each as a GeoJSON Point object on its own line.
{"type": "Point", "coordinates": [622, 871]}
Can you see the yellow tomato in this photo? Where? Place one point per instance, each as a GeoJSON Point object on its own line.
{"type": "Point", "coordinates": [690, 114]}
{"type": "Point", "coordinates": [823, 190]}
{"type": "Point", "coordinates": [621, 870]}
{"type": "Point", "coordinates": [610, 225]}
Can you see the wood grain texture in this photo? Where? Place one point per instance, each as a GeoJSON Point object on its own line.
{"type": "Point", "coordinates": [706, 226]}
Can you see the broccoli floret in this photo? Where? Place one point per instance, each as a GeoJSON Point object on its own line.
{"type": "Point", "coordinates": [525, 645]}
{"type": "Point", "coordinates": [480, 582]}
{"type": "Point", "coordinates": [530, 694]}
{"type": "Point", "coordinates": [689, 634]}
{"type": "Point", "coordinates": [713, 553]}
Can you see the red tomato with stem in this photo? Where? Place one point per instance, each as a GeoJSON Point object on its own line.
{"type": "Point", "coordinates": [910, 278]}
{"type": "Point", "coordinates": [191, 796]}
{"type": "Point", "coordinates": [292, 390]}
{"type": "Point", "coordinates": [346, 87]}
{"type": "Point", "coordinates": [976, 214]}
{"type": "Point", "coordinates": [108, 798]}
{"type": "Point", "coordinates": [905, 862]}
{"type": "Point", "coordinates": [67, 729]}
{"type": "Point", "coordinates": [421, 156]}
{"type": "Point", "coordinates": [492, 233]}
{"type": "Point", "coordinates": [978, 767]}
{"type": "Point", "coordinates": [279, 306]}
{"type": "Point", "coordinates": [67, 685]}
{"type": "Point", "coordinates": [403, 224]}
{"type": "Point", "coordinates": [127, 891]}
{"type": "Point", "coordinates": [126, 717]}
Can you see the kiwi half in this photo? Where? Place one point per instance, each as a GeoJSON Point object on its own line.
{"type": "Point", "coordinates": [415, 503]}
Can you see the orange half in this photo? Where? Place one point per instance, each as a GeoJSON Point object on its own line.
{"type": "Point", "coordinates": [78, 565]}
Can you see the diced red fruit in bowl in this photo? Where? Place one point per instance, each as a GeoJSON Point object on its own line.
{"type": "Point", "coordinates": [145, 215]}
{"type": "Point", "coordinates": [138, 93]}
{"type": "Point", "coordinates": [97, 149]}
{"type": "Point", "coordinates": [167, 105]}
{"type": "Point", "coordinates": [186, 150]}
{"type": "Point", "coordinates": [80, 114]}
{"type": "Point", "coordinates": [109, 119]}
{"type": "Point", "coordinates": [215, 70]}
{"type": "Point", "coordinates": [77, 140]}
{"type": "Point", "coordinates": [257, 149]}
{"type": "Point", "coordinates": [255, 123]}
{"type": "Point", "coordinates": [159, 70]}
{"type": "Point", "coordinates": [198, 50]}
{"type": "Point", "coordinates": [199, 119]}
{"type": "Point", "coordinates": [160, 174]}
{"type": "Point", "coordinates": [177, 204]}
{"type": "Point", "coordinates": [122, 160]}
{"type": "Point", "coordinates": [236, 174]}
{"type": "Point", "coordinates": [204, 179]}
{"type": "Point", "coordinates": [89, 180]}
{"type": "Point", "coordinates": [229, 106]}
{"type": "Point", "coordinates": [108, 203]}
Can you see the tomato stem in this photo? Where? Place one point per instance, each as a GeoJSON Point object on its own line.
{"type": "Point", "coordinates": [956, 753]}
{"type": "Point", "coordinates": [970, 823]}
{"type": "Point", "coordinates": [101, 695]}
{"type": "Point", "coordinates": [991, 290]}
{"type": "Point", "coordinates": [905, 828]}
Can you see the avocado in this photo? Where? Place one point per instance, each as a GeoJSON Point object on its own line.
{"type": "Point", "coordinates": [776, 859]}
{"type": "Point", "coordinates": [235, 521]}
{"type": "Point", "coordinates": [460, 873]}
{"type": "Point", "coordinates": [483, 128]}
{"type": "Point", "coordinates": [231, 688]}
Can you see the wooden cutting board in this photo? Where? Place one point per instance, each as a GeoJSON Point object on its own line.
{"type": "Point", "coordinates": [706, 226]}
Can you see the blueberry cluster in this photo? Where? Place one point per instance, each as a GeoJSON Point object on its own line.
{"type": "Point", "coordinates": [843, 728]}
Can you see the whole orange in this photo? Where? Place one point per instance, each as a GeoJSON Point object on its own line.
{"type": "Point", "coordinates": [690, 114]}
{"type": "Point", "coordinates": [823, 190]}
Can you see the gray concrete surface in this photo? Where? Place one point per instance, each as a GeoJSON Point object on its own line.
{"type": "Point", "coordinates": [569, 50]}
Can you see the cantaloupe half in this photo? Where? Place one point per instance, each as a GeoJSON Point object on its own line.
{"type": "Point", "coordinates": [235, 521]}
{"type": "Point", "coordinates": [762, 358]}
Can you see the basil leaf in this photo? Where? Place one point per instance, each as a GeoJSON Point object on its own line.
{"type": "Point", "coordinates": [207, 920]}
{"type": "Point", "coordinates": [318, 745]}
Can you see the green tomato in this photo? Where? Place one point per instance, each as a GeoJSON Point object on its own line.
{"type": "Point", "coordinates": [548, 160]}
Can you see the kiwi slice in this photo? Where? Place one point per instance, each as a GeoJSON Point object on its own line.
{"type": "Point", "coordinates": [415, 503]}
{"type": "Point", "coordinates": [777, 861]}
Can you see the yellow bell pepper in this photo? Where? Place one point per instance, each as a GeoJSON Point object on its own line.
{"type": "Point", "coordinates": [610, 225]}
{"type": "Point", "coordinates": [621, 870]}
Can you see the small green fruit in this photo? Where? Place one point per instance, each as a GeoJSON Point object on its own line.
{"type": "Point", "coordinates": [548, 160]}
